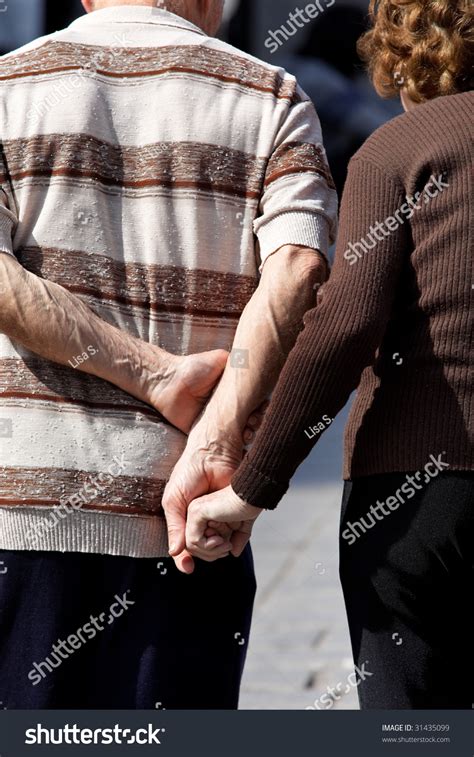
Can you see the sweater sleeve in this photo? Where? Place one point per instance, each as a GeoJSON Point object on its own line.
{"type": "Point", "coordinates": [340, 335]}
{"type": "Point", "coordinates": [299, 200]}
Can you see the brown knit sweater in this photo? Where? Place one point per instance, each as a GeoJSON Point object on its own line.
{"type": "Point", "coordinates": [394, 319]}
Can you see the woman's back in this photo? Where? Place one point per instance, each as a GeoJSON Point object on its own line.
{"type": "Point", "coordinates": [415, 400]}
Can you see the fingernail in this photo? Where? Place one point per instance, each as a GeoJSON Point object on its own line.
{"type": "Point", "coordinates": [172, 547]}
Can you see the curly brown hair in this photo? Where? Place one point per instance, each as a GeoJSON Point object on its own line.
{"type": "Point", "coordinates": [424, 46]}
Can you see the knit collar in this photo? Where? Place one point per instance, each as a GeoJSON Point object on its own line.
{"type": "Point", "coordinates": [135, 14]}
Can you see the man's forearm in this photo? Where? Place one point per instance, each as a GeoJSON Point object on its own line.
{"type": "Point", "coordinates": [57, 325]}
{"type": "Point", "coordinates": [265, 335]}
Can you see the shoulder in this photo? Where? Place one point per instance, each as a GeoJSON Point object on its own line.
{"type": "Point", "coordinates": [271, 76]}
{"type": "Point", "coordinates": [14, 64]}
{"type": "Point", "coordinates": [31, 47]}
{"type": "Point", "coordinates": [416, 134]}
{"type": "Point", "coordinates": [245, 58]}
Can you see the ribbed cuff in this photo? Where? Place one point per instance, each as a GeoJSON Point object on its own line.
{"type": "Point", "coordinates": [295, 227]}
{"type": "Point", "coordinates": [257, 489]}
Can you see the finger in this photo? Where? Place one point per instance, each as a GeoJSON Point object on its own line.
{"type": "Point", "coordinates": [205, 550]}
{"type": "Point", "coordinates": [216, 533]}
{"type": "Point", "coordinates": [259, 413]}
{"type": "Point", "coordinates": [223, 529]}
{"type": "Point", "coordinates": [176, 523]}
{"type": "Point", "coordinates": [212, 542]}
{"type": "Point", "coordinates": [180, 490]}
{"type": "Point", "coordinates": [212, 548]}
{"type": "Point", "coordinates": [255, 421]}
{"type": "Point", "coordinates": [249, 436]}
{"type": "Point", "coordinates": [239, 542]}
{"type": "Point", "coordinates": [196, 526]}
{"type": "Point", "coordinates": [213, 555]}
{"type": "Point", "coordinates": [184, 562]}
{"type": "Point", "coordinates": [210, 557]}
{"type": "Point", "coordinates": [224, 532]}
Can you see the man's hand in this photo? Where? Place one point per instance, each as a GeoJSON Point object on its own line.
{"type": "Point", "coordinates": [206, 465]}
{"type": "Point", "coordinates": [211, 513]}
{"type": "Point", "coordinates": [180, 393]}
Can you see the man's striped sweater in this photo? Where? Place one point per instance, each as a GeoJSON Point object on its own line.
{"type": "Point", "coordinates": [151, 170]}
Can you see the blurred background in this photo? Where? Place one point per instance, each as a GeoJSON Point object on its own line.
{"type": "Point", "coordinates": [299, 648]}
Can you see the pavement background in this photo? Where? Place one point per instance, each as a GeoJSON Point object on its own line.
{"type": "Point", "coordinates": [299, 643]}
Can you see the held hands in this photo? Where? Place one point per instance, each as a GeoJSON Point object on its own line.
{"type": "Point", "coordinates": [207, 465]}
{"type": "Point", "coordinates": [180, 386]}
{"type": "Point", "coordinates": [222, 513]}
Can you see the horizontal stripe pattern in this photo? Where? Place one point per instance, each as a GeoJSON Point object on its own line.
{"type": "Point", "coordinates": [149, 287]}
{"type": "Point", "coordinates": [298, 157]}
{"type": "Point", "coordinates": [36, 379]}
{"type": "Point", "coordinates": [133, 62]}
{"type": "Point", "coordinates": [51, 102]}
{"type": "Point", "coordinates": [205, 167]}
{"type": "Point", "coordinates": [151, 229]}
{"type": "Point", "coordinates": [39, 487]}
{"type": "Point", "coordinates": [48, 434]}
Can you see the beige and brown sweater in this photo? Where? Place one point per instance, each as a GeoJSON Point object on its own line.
{"type": "Point", "coordinates": [150, 170]}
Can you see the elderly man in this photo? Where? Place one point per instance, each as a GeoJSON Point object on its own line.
{"type": "Point", "coordinates": [164, 199]}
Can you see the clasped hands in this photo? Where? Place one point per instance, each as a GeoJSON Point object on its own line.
{"type": "Point", "coordinates": [205, 517]}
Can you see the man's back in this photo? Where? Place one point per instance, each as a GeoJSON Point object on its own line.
{"type": "Point", "coordinates": [137, 153]}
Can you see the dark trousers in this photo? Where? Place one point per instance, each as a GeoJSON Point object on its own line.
{"type": "Point", "coordinates": [160, 639]}
{"type": "Point", "coordinates": [407, 585]}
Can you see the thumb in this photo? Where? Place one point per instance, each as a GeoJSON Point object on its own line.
{"type": "Point", "coordinates": [184, 562]}
{"type": "Point", "coordinates": [240, 538]}
{"type": "Point", "coordinates": [176, 524]}
{"type": "Point", "coordinates": [188, 481]}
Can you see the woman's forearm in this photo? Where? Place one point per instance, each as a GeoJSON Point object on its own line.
{"type": "Point", "coordinates": [340, 338]}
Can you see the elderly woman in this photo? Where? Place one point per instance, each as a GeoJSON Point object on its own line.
{"type": "Point", "coordinates": [394, 320]}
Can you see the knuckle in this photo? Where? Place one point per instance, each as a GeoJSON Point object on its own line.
{"type": "Point", "coordinates": [194, 510]}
